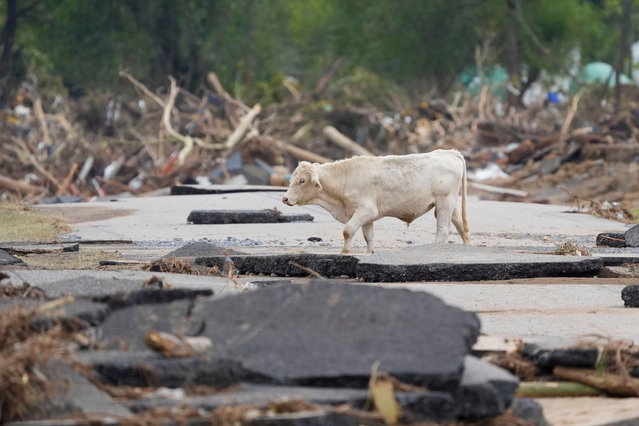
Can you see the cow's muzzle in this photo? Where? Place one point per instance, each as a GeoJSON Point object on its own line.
{"type": "Point", "coordinates": [285, 201]}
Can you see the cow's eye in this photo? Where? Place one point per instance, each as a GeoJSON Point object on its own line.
{"type": "Point", "coordinates": [302, 181]}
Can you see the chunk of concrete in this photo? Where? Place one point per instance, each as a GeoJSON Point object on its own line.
{"type": "Point", "coordinates": [486, 390]}
{"type": "Point", "coordinates": [199, 249]}
{"type": "Point", "coordinates": [616, 272]}
{"type": "Point", "coordinates": [73, 394]}
{"type": "Point", "coordinates": [7, 259]}
{"type": "Point", "coordinates": [632, 236]}
{"type": "Point", "coordinates": [630, 296]}
{"type": "Point", "coordinates": [209, 217]}
{"type": "Point", "coordinates": [327, 265]}
{"type": "Point", "coordinates": [611, 239]}
{"type": "Point", "coordinates": [529, 410]}
{"type": "Point", "coordinates": [457, 262]}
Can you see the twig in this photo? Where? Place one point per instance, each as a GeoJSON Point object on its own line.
{"type": "Point", "coordinates": [142, 87]}
{"type": "Point", "coordinates": [304, 268]}
{"type": "Point", "coordinates": [36, 163]}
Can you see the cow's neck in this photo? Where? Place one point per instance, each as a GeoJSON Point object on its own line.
{"type": "Point", "coordinates": [331, 197]}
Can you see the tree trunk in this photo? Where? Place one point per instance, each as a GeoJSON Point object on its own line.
{"type": "Point", "coordinates": [8, 36]}
{"type": "Point", "coordinates": [248, 71]}
{"type": "Point", "coordinates": [512, 64]}
{"type": "Point", "coordinates": [623, 51]}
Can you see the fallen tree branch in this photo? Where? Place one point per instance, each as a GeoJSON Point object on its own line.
{"type": "Point", "coordinates": [499, 190]}
{"type": "Point", "coordinates": [67, 180]}
{"type": "Point", "coordinates": [39, 113]}
{"type": "Point", "coordinates": [242, 127]}
{"type": "Point", "coordinates": [616, 384]}
{"type": "Point", "coordinates": [342, 141]}
{"type": "Point", "coordinates": [23, 188]}
{"type": "Point", "coordinates": [571, 114]}
{"type": "Point", "coordinates": [187, 141]}
{"type": "Point", "coordinates": [555, 389]}
{"type": "Point", "coordinates": [302, 154]}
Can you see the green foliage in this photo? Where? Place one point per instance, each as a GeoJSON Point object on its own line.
{"type": "Point", "coordinates": [253, 44]}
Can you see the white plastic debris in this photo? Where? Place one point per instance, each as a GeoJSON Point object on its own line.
{"type": "Point", "coordinates": [491, 171]}
{"type": "Point", "coordinates": [173, 394]}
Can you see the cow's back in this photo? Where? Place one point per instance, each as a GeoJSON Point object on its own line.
{"type": "Point", "coordinates": [408, 186]}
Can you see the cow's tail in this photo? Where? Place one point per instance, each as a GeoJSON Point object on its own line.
{"type": "Point", "coordinates": [466, 237]}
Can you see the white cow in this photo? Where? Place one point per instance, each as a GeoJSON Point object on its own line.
{"type": "Point", "coordinates": [360, 190]}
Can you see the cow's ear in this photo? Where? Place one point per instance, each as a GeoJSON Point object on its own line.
{"type": "Point", "coordinates": [316, 182]}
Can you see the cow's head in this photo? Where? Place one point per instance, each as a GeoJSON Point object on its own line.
{"type": "Point", "coordinates": [304, 185]}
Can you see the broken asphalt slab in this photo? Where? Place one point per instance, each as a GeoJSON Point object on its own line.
{"type": "Point", "coordinates": [420, 263]}
{"type": "Point", "coordinates": [89, 283]}
{"type": "Point", "coordinates": [285, 265]}
{"type": "Point", "coordinates": [221, 189]}
{"type": "Point", "coordinates": [320, 333]}
{"type": "Point", "coordinates": [224, 217]}
{"type": "Point", "coordinates": [439, 262]}
{"type": "Point", "coordinates": [8, 259]}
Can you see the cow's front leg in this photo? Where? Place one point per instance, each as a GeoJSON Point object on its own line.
{"type": "Point", "coordinates": [361, 217]}
{"type": "Point", "coordinates": [367, 230]}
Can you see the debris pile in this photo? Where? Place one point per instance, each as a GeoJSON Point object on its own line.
{"type": "Point", "coordinates": [62, 150]}
{"type": "Point", "coordinates": [195, 356]}
{"type": "Point", "coordinates": [594, 367]}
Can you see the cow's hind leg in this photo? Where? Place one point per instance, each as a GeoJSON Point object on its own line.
{"type": "Point", "coordinates": [457, 221]}
{"type": "Point", "coordinates": [362, 216]}
{"type": "Point", "coordinates": [367, 230]}
{"type": "Point", "coordinates": [444, 208]}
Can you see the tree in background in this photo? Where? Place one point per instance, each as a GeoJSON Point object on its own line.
{"type": "Point", "coordinates": [253, 44]}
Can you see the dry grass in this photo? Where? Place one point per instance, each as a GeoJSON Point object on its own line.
{"type": "Point", "coordinates": [178, 266]}
{"type": "Point", "coordinates": [23, 347]}
{"type": "Point", "coordinates": [86, 258]}
{"type": "Point", "coordinates": [570, 249]}
{"type": "Point", "coordinates": [635, 214]}
{"type": "Point", "coordinates": [21, 223]}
